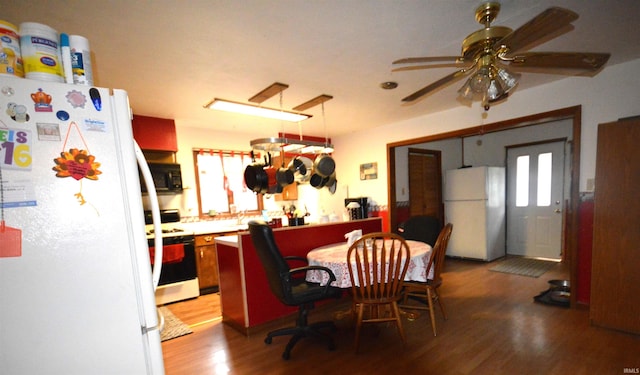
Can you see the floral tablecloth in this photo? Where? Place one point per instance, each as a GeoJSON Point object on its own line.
{"type": "Point", "coordinates": [334, 257]}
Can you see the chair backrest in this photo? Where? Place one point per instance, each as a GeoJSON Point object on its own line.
{"type": "Point", "coordinates": [274, 264]}
{"type": "Point", "coordinates": [421, 228]}
{"type": "Point", "coordinates": [377, 264]}
{"type": "Point", "coordinates": [439, 251]}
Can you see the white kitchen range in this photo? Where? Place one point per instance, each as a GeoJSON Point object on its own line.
{"type": "Point", "coordinates": [178, 278]}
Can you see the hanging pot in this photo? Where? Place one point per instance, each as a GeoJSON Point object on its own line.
{"type": "Point", "coordinates": [272, 186]}
{"type": "Point", "coordinates": [296, 165]}
{"type": "Point", "coordinates": [332, 183]}
{"type": "Point", "coordinates": [302, 166]}
{"type": "Point", "coordinates": [284, 176]}
{"type": "Point", "coordinates": [255, 177]}
{"type": "Point", "coordinates": [318, 181]}
{"type": "Point", "coordinates": [324, 165]}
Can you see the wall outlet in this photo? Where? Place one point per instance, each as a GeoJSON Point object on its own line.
{"type": "Point", "coordinates": [591, 184]}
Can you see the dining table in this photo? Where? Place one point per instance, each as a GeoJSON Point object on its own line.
{"type": "Point", "coordinates": [334, 257]}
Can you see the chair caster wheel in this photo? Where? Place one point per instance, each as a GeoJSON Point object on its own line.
{"type": "Point", "coordinates": [268, 340]}
{"type": "Point", "coordinates": [286, 356]}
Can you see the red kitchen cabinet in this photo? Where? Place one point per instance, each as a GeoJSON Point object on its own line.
{"type": "Point", "coordinates": [155, 134]}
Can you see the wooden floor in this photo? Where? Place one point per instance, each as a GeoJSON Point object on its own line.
{"type": "Point", "coordinates": [494, 327]}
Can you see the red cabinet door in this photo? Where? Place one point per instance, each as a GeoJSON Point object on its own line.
{"type": "Point", "coordinates": [157, 134]}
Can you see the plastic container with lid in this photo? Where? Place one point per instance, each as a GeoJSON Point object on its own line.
{"type": "Point", "coordinates": [80, 60]}
{"type": "Point", "coordinates": [40, 52]}
{"type": "Point", "coordinates": [10, 55]}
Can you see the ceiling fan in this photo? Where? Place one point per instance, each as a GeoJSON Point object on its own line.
{"type": "Point", "coordinates": [486, 54]}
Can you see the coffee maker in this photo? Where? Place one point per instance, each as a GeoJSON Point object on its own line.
{"type": "Point", "coordinates": [355, 213]}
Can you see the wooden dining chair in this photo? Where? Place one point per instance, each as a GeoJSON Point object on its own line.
{"type": "Point", "coordinates": [427, 292]}
{"type": "Point", "coordinates": [377, 265]}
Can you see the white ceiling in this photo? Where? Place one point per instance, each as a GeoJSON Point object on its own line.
{"type": "Point", "coordinates": [175, 56]}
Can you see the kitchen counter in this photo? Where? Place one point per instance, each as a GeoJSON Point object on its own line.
{"type": "Point", "coordinates": [227, 241]}
{"type": "Point", "coordinates": [213, 227]}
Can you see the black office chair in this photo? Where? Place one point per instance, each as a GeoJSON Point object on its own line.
{"type": "Point", "coordinates": [421, 228]}
{"type": "Point", "coordinates": [289, 286]}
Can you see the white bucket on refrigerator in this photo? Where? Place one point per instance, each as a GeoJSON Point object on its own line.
{"type": "Point", "coordinates": [10, 55]}
{"type": "Point", "coordinates": [80, 60]}
{"type": "Point", "coordinates": [40, 52]}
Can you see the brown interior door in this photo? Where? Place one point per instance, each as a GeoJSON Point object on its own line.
{"type": "Point", "coordinates": [425, 183]}
{"type": "Point", "coordinates": [615, 281]}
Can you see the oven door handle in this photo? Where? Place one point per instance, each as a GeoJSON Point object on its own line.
{"type": "Point", "coordinates": [155, 215]}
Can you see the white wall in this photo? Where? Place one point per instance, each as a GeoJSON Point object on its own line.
{"type": "Point", "coordinates": [610, 95]}
{"type": "Point", "coordinates": [481, 150]}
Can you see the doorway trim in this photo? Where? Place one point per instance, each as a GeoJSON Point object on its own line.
{"type": "Point", "coordinates": [574, 113]}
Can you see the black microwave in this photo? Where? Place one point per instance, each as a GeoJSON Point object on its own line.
{"type": "Point", "coordinates": [167, 178]}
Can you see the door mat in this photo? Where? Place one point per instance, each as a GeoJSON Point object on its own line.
{"type": "Point", "coordinates": [524, 266]}
{"type": "Point", "coordinates": [173, 327]}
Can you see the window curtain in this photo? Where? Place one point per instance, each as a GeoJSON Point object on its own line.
{"type": "Point", "coordinates": [219, 193]}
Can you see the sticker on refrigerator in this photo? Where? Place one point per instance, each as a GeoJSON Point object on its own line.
{"type": "Point", "coordinates": [94, 125]}
{"type": "Point", "coordinates": [18, 194]}
{"type": "Point", "coordinates": [76, 99]}
{"type": "Point", "coordinates": [48, 132]}
{"type": "Point", "coordinates": [76, 163]}
{"type": "Point", "coordinates": [42, 101]}
{"type": "Point", "coordinates": [15, 149]}
{"type": "Point", "coordinates": [17, 112]}
{"type": "Point", "coordinates": [96, 99]}
{"type": "Point", "coordinates": [10, 238]}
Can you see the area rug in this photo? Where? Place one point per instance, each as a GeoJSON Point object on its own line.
{"type": "Point", "coordinates": [173, 327]}
{"type": "Point", "coordinates": [524, 266]}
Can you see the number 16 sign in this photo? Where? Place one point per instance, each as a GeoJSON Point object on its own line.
{"type": "Point", "coordinates": [15, 149]}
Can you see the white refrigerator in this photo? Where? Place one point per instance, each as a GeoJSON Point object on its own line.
{"type": "Point", "coordinates": [474, 202]}
{"type": "Point", "coordinates": [76, 285]}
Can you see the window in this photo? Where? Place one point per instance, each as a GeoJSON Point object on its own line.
{"type": "Point", "coordinates": [522, 181]}
{"type": "Point", "coordinates": [220, 182]}
{"type": "Point", "coordinates": [544, 179]}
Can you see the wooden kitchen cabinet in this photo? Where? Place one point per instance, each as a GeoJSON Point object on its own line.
{"type": "Point", "coordinates": [289, 193]}
{"type": "Point", "coordinates": [206, 263]}
{"type": "Point", "coordinates": [155, 134]}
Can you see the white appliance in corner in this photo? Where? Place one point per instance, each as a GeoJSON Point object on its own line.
{"type": "Point", "coordinates": [76, 286]}
{"type": "Point", "coordinates": [474, 202]}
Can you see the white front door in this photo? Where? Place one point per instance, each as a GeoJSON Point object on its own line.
{"type": "Point", "coordinates": [535, 185]}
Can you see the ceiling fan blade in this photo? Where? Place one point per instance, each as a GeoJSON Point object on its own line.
{"type": "Point", "coordinates": [420, 67]}
{"type": "Point", "coordinates": [413, 60]}
{"type": "Point", "coordinates": [437, 84]}
{"type": "Point", "coordinates": [585, 61]}
{"type": "Point", "coordinates": [544, 24]}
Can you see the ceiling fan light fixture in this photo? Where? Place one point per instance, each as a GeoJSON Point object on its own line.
{"type": "Point", "coordinates": [494, 90]}
{"type": "Point", "coordinates": [465, 91]}
{"type": "Point", "coordinates": [507, 79]}
{"type": "Point", "coordinates": [479, 82]}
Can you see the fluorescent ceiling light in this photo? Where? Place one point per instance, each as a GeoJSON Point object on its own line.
{"type": "Point", "coordinates": [254, 110]}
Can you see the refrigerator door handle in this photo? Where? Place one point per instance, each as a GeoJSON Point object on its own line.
{"type": "Point", "coordinates": [158, 327]}
{"type": "Point", "coordinates": [155, 214]}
